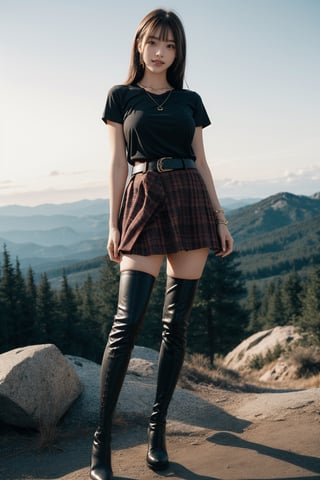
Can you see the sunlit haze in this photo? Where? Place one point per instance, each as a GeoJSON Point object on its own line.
{"type": "Point", "coordinates": [255, 64]}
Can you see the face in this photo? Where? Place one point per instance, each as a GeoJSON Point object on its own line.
{"type": "Point", "coordinates": [158, 55]}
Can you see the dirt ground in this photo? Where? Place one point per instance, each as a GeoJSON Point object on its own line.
{"type": "Point", "coordinates": [256, 436]}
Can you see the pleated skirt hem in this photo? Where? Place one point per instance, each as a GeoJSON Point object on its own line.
{"type": "Point", "coordinates": [165, 213]}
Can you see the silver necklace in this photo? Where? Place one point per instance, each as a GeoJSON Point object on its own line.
{"type": "Point", "coordinates": [159, 105]}
{"type": "Point", "coordinates": [155, 89]}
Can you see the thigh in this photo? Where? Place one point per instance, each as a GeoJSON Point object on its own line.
{"type": "Point", "coordinates": [187, 264]}
{"type": "Point", "coordinates": [144, 263]}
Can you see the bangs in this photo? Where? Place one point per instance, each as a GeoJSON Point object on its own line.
{"type": "Point", "coordinates": [161, 28]}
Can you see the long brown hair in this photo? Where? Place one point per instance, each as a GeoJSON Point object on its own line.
{"type": "Point", "coordinates": [165, 21]}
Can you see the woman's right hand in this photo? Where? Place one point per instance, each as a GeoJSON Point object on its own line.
{"type": "Point", "coordinates": [113, 244]}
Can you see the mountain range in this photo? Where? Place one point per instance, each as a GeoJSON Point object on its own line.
{"type": "Point", "coordinates": [272, 235]}
{"type": "Point", "coordinates": [278, 235]}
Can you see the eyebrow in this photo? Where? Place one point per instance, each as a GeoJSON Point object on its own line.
{"type": "Point", "coordinates": [153, 37]}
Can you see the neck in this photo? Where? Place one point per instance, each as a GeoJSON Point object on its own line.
{"type": "Point", "coordinates": [155, 82]}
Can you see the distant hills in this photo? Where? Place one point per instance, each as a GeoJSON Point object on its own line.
{"type": "Point", "coordinates": [273, 235]}
{"type": "Point", "coordinates": [278, 235]}
{"type": "Point", "coordinates": [51, 237]}
{"type": "Point", "coordinates": [277, 211]}
{"type": "Point", "coordinates": [82, 208]}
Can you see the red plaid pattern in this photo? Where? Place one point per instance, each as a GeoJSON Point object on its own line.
{"type": "Point", "coordinates": [167, 212]}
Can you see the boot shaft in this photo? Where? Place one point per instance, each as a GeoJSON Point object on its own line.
{"type": "Point", "coordinates": [177, 308]}
{"type": "Point", "coordinates": [134, 292]}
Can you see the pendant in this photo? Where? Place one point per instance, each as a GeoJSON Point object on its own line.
{"type": "Point", "coordinates": [160, 108]}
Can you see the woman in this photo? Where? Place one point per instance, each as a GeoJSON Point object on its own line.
{"type": "Point", "coordinates": [168, 209]}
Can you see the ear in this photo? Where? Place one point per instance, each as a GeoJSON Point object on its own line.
{"type": "Point", "coordinates": [139, 46]}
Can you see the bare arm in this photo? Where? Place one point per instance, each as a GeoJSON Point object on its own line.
{"type": "Point", "coordinates": [204, 170]}
{"type": "Point", "coordinates": [118, 172]}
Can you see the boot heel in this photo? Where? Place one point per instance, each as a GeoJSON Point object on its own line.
{"type": "Point", "coordinates": [157, 456]}
{"type": "Point", "coordinates": [101, 462]}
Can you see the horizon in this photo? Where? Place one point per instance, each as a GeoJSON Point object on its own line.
{"type": "Point", "coordinates": [224, 198]}
{"type": "Point", "coordinates": [253, 63]}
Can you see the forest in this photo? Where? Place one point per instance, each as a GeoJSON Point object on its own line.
{"type": "Point", "coordinates": [78, 318]}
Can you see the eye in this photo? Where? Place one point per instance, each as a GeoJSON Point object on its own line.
{"type": "Point", "coordinates": [172, 46]}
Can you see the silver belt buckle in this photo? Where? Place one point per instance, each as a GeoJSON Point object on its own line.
{"type": "Point", "coordinates": [160, 167]}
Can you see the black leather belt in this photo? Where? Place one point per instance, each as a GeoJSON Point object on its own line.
{"type": "Point", "coordinates": [165, 164]}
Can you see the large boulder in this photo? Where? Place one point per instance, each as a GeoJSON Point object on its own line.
{"type": "Point", "coordinates": [136, 397]}
{"type": "Point", "coordinates": [37, 386]}
{"type": "Point", "coordinates": [260, 344]}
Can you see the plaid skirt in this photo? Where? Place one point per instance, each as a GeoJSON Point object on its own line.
{"type": "Point", "coordinates": [167, 212]}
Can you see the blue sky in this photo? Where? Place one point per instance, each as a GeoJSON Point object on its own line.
{"type": "Point", "coordinates": [254, 62]}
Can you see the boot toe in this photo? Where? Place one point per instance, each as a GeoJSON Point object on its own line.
{"type": "Point", "coordinates": [157, 460]}
{"type": "Point", "coordinates": [101, 473]}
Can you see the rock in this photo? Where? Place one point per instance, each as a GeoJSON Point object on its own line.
{"type": "Point", "coordinates": [187, 412]}
{"type": "Point", "coordinates": [279, 371]}
{"type": "Point", "coordinates": [259, 344]}
{"type": "Point", "coordinates": [136, 396]}
{"type": "Point", "coordinates": [279, 405]}
{"type": "Point", "coordinates": [37, 386]}
{"type": "Point", "coordinates": [85, 410]}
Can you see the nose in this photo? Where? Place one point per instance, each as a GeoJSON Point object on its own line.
{"type": "Point", "coordinates": [159, 51]}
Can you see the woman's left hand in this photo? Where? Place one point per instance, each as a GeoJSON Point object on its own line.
{"type": "Point", "coordinates": [226, 240]}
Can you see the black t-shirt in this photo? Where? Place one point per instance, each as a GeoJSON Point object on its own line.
{"type": "Point", "coordinates": [152, 134]}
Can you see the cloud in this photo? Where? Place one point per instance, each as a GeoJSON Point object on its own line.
{"type": "Point", "coordinates": [9, 185]}
{"type": "Point", "coordinates": [5, 182]}
{"type": "Point", "coordinates": [57, 173]}
{"type": "Point", "coordinates": [53, 195]}
{"type": "Point", "coordinates": [301, 182]}
{"type": "Point", "coordinates": [304, 174]}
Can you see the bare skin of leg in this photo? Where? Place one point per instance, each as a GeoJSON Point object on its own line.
{"type": "Point", "coordinates": [185, 264]}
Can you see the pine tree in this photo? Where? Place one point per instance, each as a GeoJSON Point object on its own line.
{"type": "Point", "coordinates": [253, 306]}
{"type": "Point", "coordinates": [92, 343]}
{"type": "Point", "coordinates": [107, 295]}
{"type": "Point", "coordinates": [21, 319]}
{"type": "Point", "coordinates": [68, 319]}
{"type": "Point", "coordinates": [292, 300]}
{"type": "Point", "coordinates": [31, 292]}
{"type": "Point", "coordinates": [218, 321]}
{"type": "Point", "coordinates": [309, 322]}
{"type": "Point", "coordinates": [267, 294]}
{"type": "Point", "coordinates": [47, 313]}
{"type": "Point", "coordinates": [7, 303]}
{"type": "Point", "coordinates": [275, 314]}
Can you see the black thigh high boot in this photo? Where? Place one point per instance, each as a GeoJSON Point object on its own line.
{"type": "Point", "coordinates": [134, 292]}
{"type": "Point", "coordinates": [176, 311]}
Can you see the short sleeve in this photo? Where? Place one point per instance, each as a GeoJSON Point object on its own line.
{"type": "Point", "coordinates": [200, 115]}
{"type": "Point", "coordinates": [113, 109]}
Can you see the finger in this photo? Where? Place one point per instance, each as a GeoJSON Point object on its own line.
{"type": "Point", "coordinates": [221, 253]}
{"type": "Point", "coordinates": [111, 251]}
{"type": "Point", "coordinates": [223, 246]}
{"type": "Point", "coordinates": [226, 248]}
{"type": "Point", "coordinates": [229, 248]}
